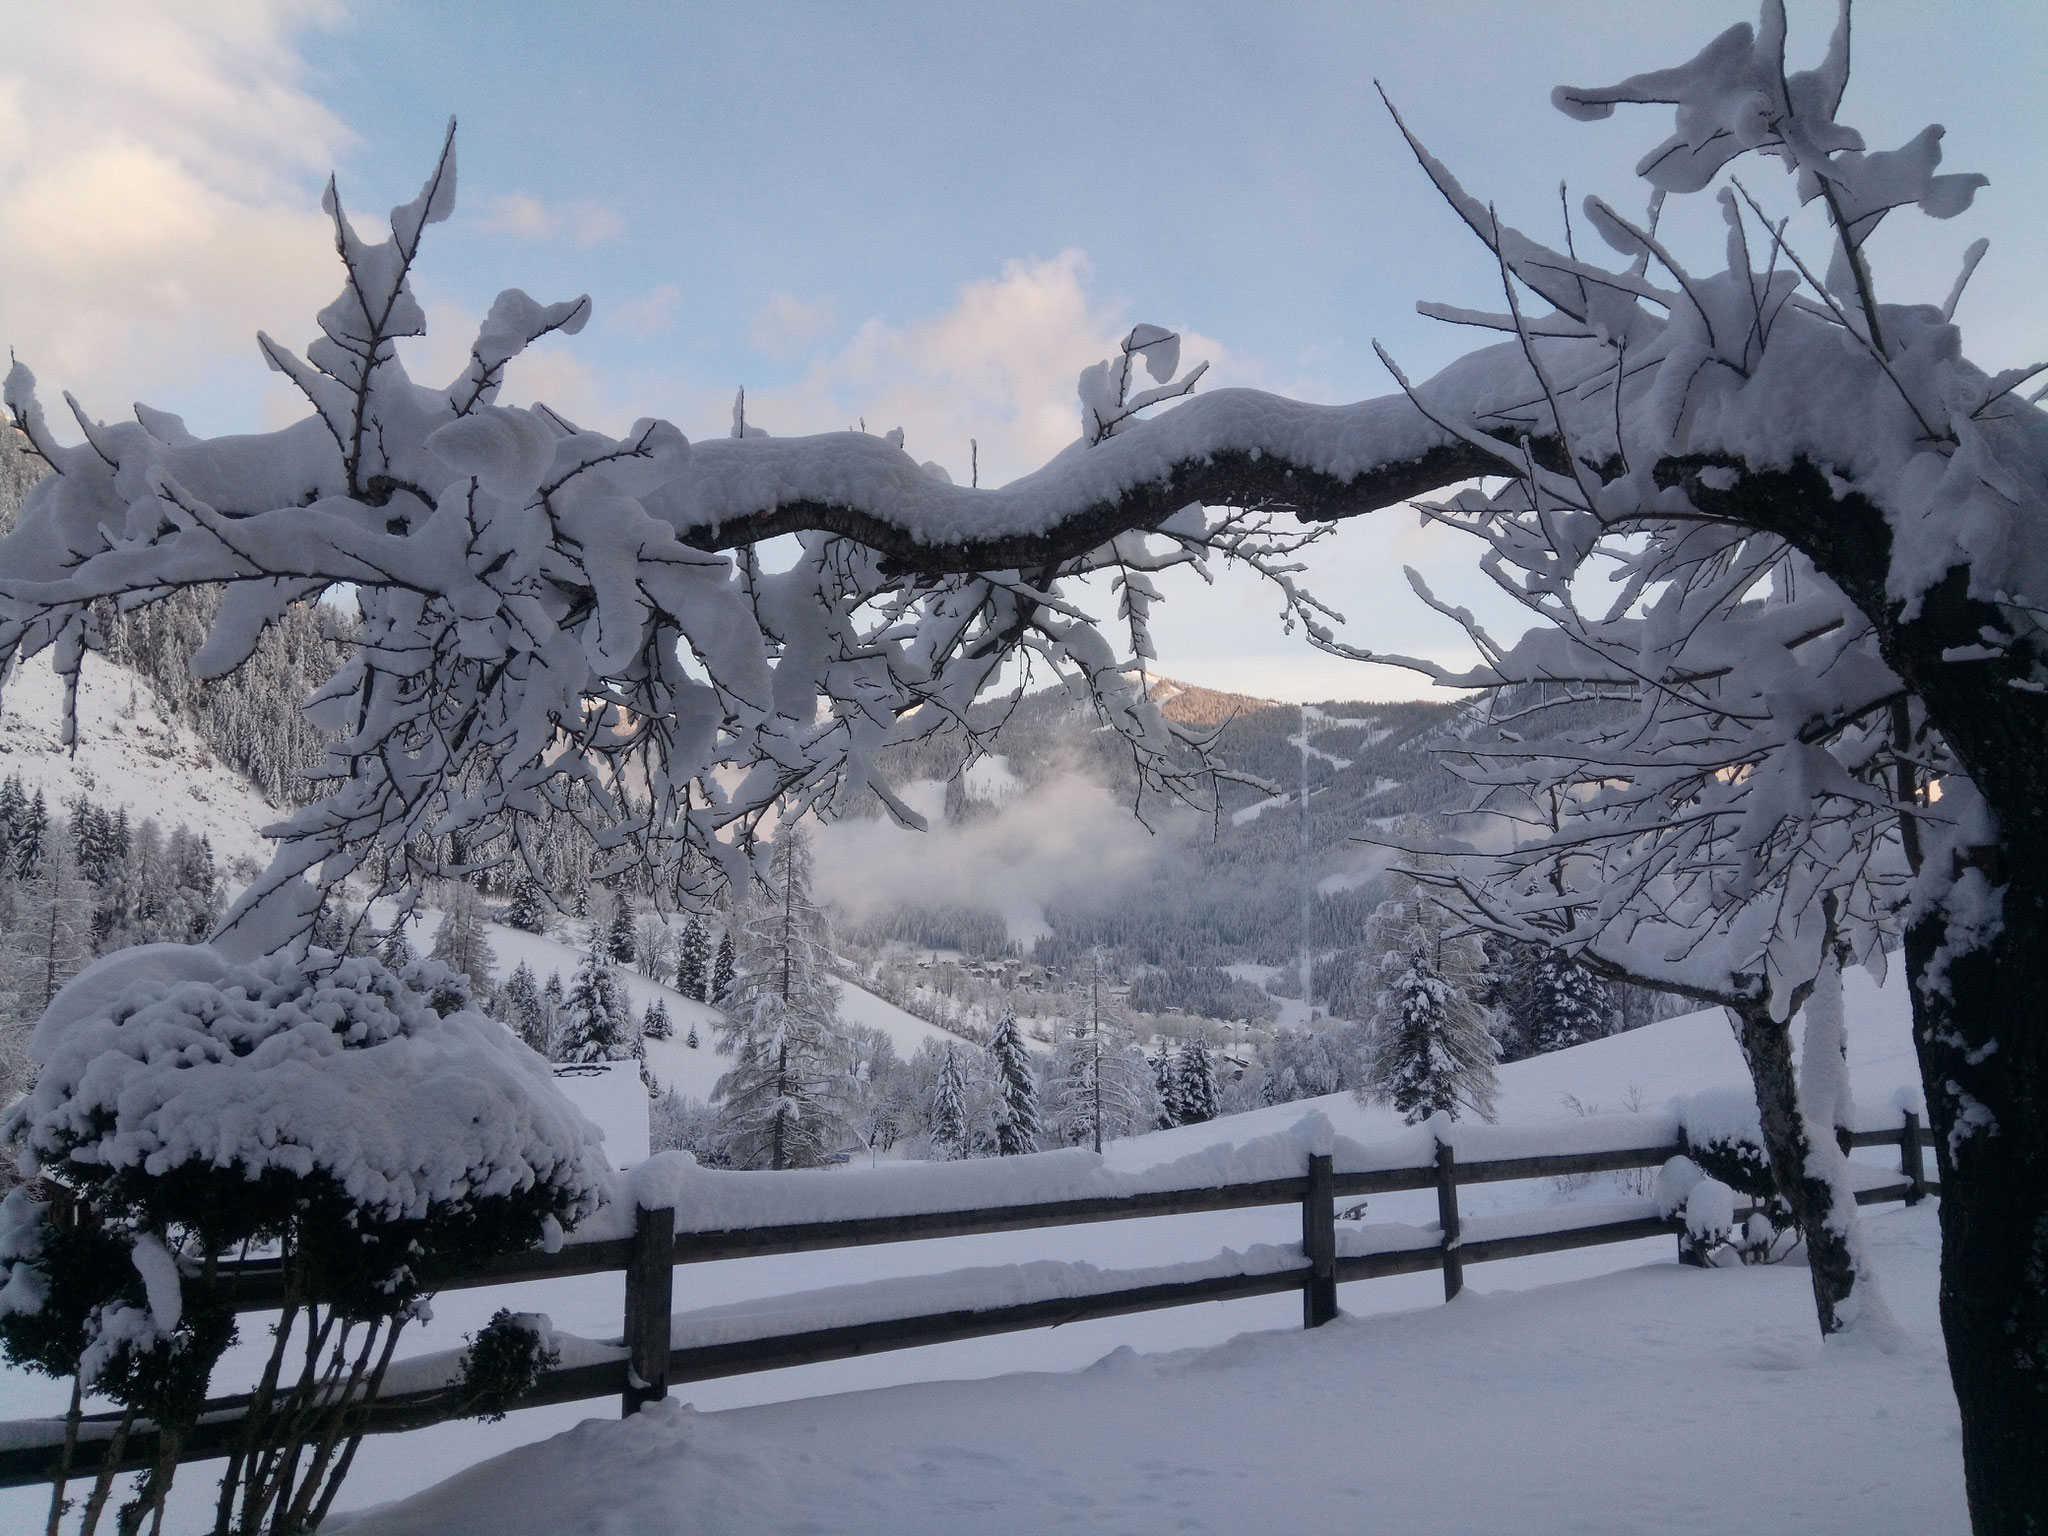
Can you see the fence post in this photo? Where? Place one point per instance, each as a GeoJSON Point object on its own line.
{"type": "Point", "coordinates": [1911, 1161]}
{"type": "Point", "coordinates": [1447, 1217]}
{"type": "Point", "coordinates": [1319, 1243]}
{"type": "Point", "coordinates": [650, 1290]}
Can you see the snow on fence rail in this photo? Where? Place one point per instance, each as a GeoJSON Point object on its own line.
{"type": "Point", "coordinates": [681, 1214]}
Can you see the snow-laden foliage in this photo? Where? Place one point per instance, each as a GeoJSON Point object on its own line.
{"type": "Point", "coordinates": [165, 1058]}
{"type": "Point", "coordinates": [1017, 1127]}
{"type": "Point", "coordinates": [1431, 1048]}
{"type": "Point", "coordinates": [1098, 1084]}
{"type": "Point", "coordinates": [782, 1104]}
{"type": "Point", "coordinates": [551, 626]}
{"type": "Point", "coordinates": [187, 1108]}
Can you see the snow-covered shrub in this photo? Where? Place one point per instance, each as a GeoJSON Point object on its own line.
{"type": "Point", "coordinates": [505, 1360]}
{"type": "Point", "coordinates": [187, 1108]}
{"type": "Point", "coordinates": [1725, 1137]}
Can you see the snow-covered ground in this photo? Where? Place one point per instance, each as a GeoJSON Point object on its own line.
{"type": "Point", "coordinates": [129, 757]}
{"type": "Point", "coordinates": [1654, 1398]}
{"type": "Point", "coordinates": [1602, 1389]}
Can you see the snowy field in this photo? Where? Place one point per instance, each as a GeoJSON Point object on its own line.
{"type": "Point", "coordinates": [1600, 1390]}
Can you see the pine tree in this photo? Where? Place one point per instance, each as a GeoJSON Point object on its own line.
{"type": "Point", "coordinates": [782, 1102]}
{"type": "Point", "coordinates": [49, 939]}
{"type": "Point", "coordinates": [724, 971]}
{"type": "Point", "coordinates": [1016, 1118]}
{"type": "Point", "coordinates": [461, 943]}
{"type": "Point", "coordinates": [691, 1042]}
{"type": "Point", "coordinates": [530, 911]}
{"type": "Point", "coordinates": [520, 1005]}
{"type": "Point", "coordinates": [554, 1003]}
{"type": "Point", "coordinates": [394, 949]}
{"type": "Point", "coordinates": [596, 1024]}
{"type": "Point", "coordinates": [1197, 1098]}
{"type": "Point", "coordinates": [947, 1113]}
{"type": "Point", "coordinates": [1431, 1048]}
{"type": "Point", "coordinates": [1101, 1085]}
{"type": "Point", "coordinates": [30, 835]}
{"type": "Point", "coordinates": [656, 1025]}
{"type": "Point", "coordinates": [1165, 1089]}
{"type": "Point", "coordinates": [1570, 1004]}
{"type": "Point", "coordinates": [620, 942]}
{"type": "Point", "coordinates": [693, 960]}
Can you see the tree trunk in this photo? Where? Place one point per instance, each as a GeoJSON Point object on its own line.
{"type": "Point", "coordinates": [1979, 1039]}
{"type": "Point", "coordinates": [1980, 1014]}
{"type": "Point", "coordinates": [1767, 1047]}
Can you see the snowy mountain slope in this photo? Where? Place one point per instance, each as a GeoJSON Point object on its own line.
{"type": "Point", "coordinates": [692, 1073]}
{"type": "Point", "coordinates": [130, 756]}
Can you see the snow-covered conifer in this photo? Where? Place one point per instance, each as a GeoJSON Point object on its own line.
{"type": "Point", "coordinates": [1099, 1083]}
{"type": "Point", "coordinates": [946, 1115]}
{"type": "Point", "coordinates": [462, 944]}
{"type": "Point", "coordinates": [1017, 1127]}
{"type": "Point", "coordinates": [521, 1005]}
{"type": "Point", "coordinates": [784, 1099]}
{"type": "Point", "coordinates": [621, 940]}
{"type": "Point", "coordinates": [1165, 1089]}
{"type": "Point", "coordinates": [723, 971]}
{"type": "Point", "coordinates": [1431, 1048]}
{"type": "Point", "coordinates": [693, 960]}
{"type": "Point", "coordinates": [530, 910]}
{"type": "Point", "coordinates": [691, 1039]}
{"type": "Point", "coordinates": [597, 1024]}
{"type": "Point", "coordinates": [1195, 1084]}
{"type": "Point", "coordinates": [655, 1024]}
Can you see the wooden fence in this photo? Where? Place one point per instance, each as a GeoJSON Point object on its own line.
{"type": "Point", "coordinates": [643, 1365]}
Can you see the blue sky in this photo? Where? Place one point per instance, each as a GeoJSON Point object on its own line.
{"type": "Point", "coordinates": [927, 216]}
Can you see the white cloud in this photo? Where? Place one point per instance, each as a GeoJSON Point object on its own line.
{"type": "Point", "coordinates": [646, 314]}
{"type": "Point", "coordinates": [998, 366]}
{"type": "Point", "coordinates": [158, 192]}
{"type": "Point", "coordinates": [528, 218]}
{"type": "Point", "coordinates": [786, 325]}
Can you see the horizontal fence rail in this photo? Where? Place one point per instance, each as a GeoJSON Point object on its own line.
{"type": "Point", "coordinates": [642, 1365]}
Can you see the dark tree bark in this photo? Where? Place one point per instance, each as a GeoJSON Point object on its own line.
{"type": "Point", "coordinates": [1980, 1018]}
{"type": "Point", "coordinates": [1767, 1048]}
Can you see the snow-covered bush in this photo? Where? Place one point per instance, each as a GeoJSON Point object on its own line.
{"type": "Point", "coordinates": [505, 1360]}
{"type": "Point", "coordinates": [1724, 1135]}
{"type": "Point", "coordinates": [187, 1109]}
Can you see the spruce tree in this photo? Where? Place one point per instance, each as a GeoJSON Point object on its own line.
{"type": "Point", "coordinates": [1571, 1005]}
{"type": "Point", "coordinates": [554, 1003]}
{"type": "Point", "coordinates": [50, 936]}
{"type": "Point", "coordinates": [656, 1025]}
{"type": "Point", "coordinates": [1101, 1085]}
{"type": "Point", "coordinates": [947, 1112]}
{"type": "Point", "coordinates": [530, 911]}
{"type": "Point", "coordinates": [1166, 1089]}
{"type": "Point", "coordinates": [782, 1102]}
{"type": "Point", "coordinates": [461, 943]}
{"type": "Point", "coordinates": [691, 1041]}
{"type": "Point", "coordinates": [1431, 1048]}
{"type": "Point", "coordinates": [1195, 1084]}
{"type": "Point", "coordinates": [724, 971]}
{"type": "Point", "coordinates": [694, 960]}
{"type": "Point", "coordinates": [596, 1025]}
{"type": "Point", "coordinates": [520, 1005]}
{"type": "Point", "coordinates": [621, 943]}
{"type": "Point", "coordinates": [1016, 1118]}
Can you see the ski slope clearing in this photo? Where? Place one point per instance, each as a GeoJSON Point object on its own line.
{"type": "Point", "coordinates": [130, 756]}
{"type": "Point", "coordinates": [1653, 1399]}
